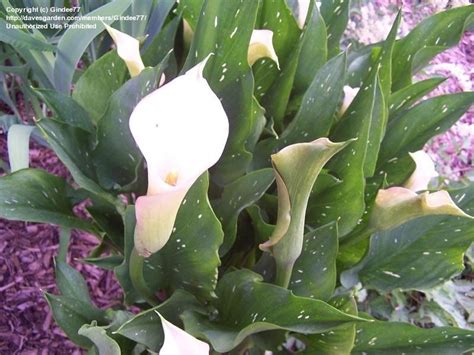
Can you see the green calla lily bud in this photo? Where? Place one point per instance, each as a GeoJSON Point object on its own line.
{"type": "Point", "coordinates": [296, 169]}
{"type": "Point", "coordinates": [397, 205]}
{"type": "Point", "coordinates": [179, 142]}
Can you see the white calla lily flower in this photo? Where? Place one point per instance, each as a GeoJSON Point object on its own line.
{"type": "Point", "coordinates": [181, 130]}
{"type": "Point", "coordinates": [178, 342]}
{"type": "Point", "coordinates": [349, 95]}
{"type": "Point", "coordinates": [128, 48]}
{"type": "Point", "coordinates": [261, 46]}
{"type": "Point", "coordinates": [424, 171]}
{"type": "Point", "coordinates": [303, 7]}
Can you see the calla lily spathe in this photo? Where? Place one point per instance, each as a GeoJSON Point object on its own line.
{"type": "Point", "coordinates": [303, 7]}
{"type": "Point", "coordinates": [349, 95]}
{"type": "Point", "coordinates": [181, 130]}
{"type": "Point", "coordinates": [261, 46]}
{"type": "Point", "coordinates": [178, 342]}
{"type": "Point", "coordinates": [424, 172]}
{"type": "Point", "coordinates": [128, 48]}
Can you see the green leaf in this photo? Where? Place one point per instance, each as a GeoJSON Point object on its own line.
{"type": "Point", "coordinates": [190, 259]}
{"type": "Point", "coordinates": [104, 344]}
{"type": "Point", "coordinates": [275, 15]}
{"type": "Point", "coordinates": [95, 86]}
{"type": "Point", "coordinates": [75, 40]}
{"type": "Point", "coordinates": [116, 156]}
{"type": "Point", "coordinates": [21, 39]}
{"type": "Point", "coordinates": [400, 258]}
{"type": "Point", "coordinates": [106, 262]}
{"type": "Point", "coordinates": [157, 19]}
{"type": "Point", "coordinates": [313, 51]}
{"type": "Point", "coordinates": [19, 146]}
{"type": "Point", "coordinates": [6, 121]}
{"type": "Point", "coordinates": [336, 16]}
{"type": "Point", "coordinates": [323, 96]}
{"type": "Point", "coordinates": [396, 338]}
{"type": "Point", "coordinates": [348, 195]}
{"type": "Point", "coordinates": [410, 131]}
{"type": "Point", "coordinates": [262, 229]}
{"type": "Point", "coordinates": [145, 328]}
{"type": "Point", "coordinates": [71, 283]}
{"type": "Point", "coordinates": [66, 109]}
{"type": "Point", "coordinates": [71, 314]}
{"type": "Point", "coordinates": [74, 147]}
{"type": "Point", "coordinates": [242, 312]}
{"type": "Point", "coordinates": [162, 43]}
{"type": "Point", "coordinates": [403, 98]}
{"type": "Point", "coordinates": [314, 274]}
{"type": "Point", "coordinates": [36, 196]}
{"type": "Point", "coordinates": [109, 221]}
{"type": "Point", "coordinates": [229, 75]}
{"type": "Point", "coordinates": [334, 342]}
{"type": "Point", "coordinates": [238, 195]}
{"type": "Point", "coordinates": [122, 271]}
{"type": "Point", "coordinates": [442, 30]}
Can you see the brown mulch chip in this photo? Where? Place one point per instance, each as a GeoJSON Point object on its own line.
{"type": "Point", "coordinates": [27, 253]}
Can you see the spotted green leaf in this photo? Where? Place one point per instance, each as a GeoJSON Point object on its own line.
{"type": "Point", "coordinates": [238, 195]}
{"type": "Point", "coordinates": [336, 16]}
{"type": "Point", "coordinates": [104, 343]}
{"type": "Point", "coordinates": [314, 274]}
{"type": "Point", "coordinates": [116, 156]}
{"type": "Point", "coordinates": [36, 196]}
{"type": "Point", "coordinates": [403, 98]}
{"type": "Point", "coordinates": [190, 259]}
{"type": "Point", "coordinates": [242, 312]}
{"type": "Point", "coordinates": [392, 338]}
{"type": "Point", "coordinates": [400, 258]}
{"type": "Point", "coordinates": [224, 28]}
{"type": "Point", "coordinates": [95, 86]}
{"type": "Point", "coordinates": [334, 342]}
{"type": "Point", "coordinates": [145, 328]}
{"type": "Point", "coordinates": [71, 314]}
{"type": "Point", "coordinates": [430, 37]}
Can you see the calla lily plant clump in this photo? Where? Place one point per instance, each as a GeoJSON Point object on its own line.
{"type": "Point", "coordinates": [246, 175]}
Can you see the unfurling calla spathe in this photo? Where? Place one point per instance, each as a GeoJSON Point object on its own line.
{"type": "Point", "coordinates": [128, 48]}
{"type": "Point", "coordinates": [349, 95]}
{"type": "Point", "coordinates": [397, 205]}
{"type": "Point", "coordinates": [178, 342]}
{"type": "Point", "coordinates": [261, 46]}
{"type": "Point", "coordinates": [296, 169]}
{"type": "Point", "coordinates": [424, 172]}
{"type": "Point", "coordinates": [181, 130]}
